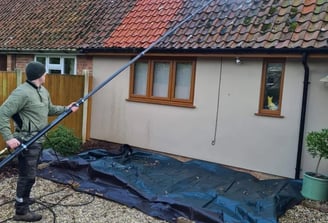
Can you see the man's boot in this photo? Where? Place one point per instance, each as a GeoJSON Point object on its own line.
{"type": "Point", "coordinates": [23, 212]}
{"type": "Point", "coordinates": [28, 216]}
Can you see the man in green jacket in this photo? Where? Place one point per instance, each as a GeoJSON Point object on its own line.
{"type": "Point", "coordinates": [29, 105]}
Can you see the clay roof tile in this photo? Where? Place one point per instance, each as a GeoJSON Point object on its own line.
{"type": "Point", "coordinates": [109, 24]}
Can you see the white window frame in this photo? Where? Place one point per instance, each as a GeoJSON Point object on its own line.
{"type": "Point", "coordinates": [59, 66]}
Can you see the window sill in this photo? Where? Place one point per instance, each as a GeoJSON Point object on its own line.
{"type": "Point", "coordinates": [269, 115]}
{"type": "Point", "coordinates": [171, 103]}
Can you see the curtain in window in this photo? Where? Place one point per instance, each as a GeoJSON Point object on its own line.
{"type": "Point", "coordinates": [140, 78]}
{"type": "Point", "coordinates": [161, 79]}
{"type": "Point", "coordinates": [182, 80]}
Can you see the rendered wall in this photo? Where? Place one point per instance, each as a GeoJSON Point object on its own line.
{"type": "Point", "coordinates": [317, 110]}
{"type": "Point", "coordinates": [227, 95]}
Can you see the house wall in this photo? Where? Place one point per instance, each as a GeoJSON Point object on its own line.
{"type": "Point", "coordinates": [84, 63]}
{"type": "Point", "coordinates": [222, 128]}
{"type": "Point", "coordinates": [317, 108]}
{"type": "Point", "coordinates": [20, 61]}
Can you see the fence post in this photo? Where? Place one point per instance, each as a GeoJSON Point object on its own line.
{"type": "Point", "coordinates": [19, 77]}
{"type": "Point", "coordinates": [86, 74]}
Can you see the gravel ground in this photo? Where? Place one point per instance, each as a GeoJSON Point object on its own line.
{"type": "Point", "coordinates": [303, 214]}
{"type": "Point", "coordinates": [60, 203]}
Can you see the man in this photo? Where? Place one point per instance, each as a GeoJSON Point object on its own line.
{"type": "Point", "coordinates": [29, 105]}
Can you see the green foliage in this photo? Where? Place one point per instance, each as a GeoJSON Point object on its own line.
{"type": "Point", "coordinates": [63, 141]}
{"type": "Point", "coordinates": [317, 145]}
{"type": "Point", "coordinates": [247, 21]}
{"type": "Point", "coordinates": [293, 12]}
{"type": "Point", "coordinates": [272, 11]}
{"type": "Point", "coordinates": [266, 27]}
{"type": "Point", "coordinates": [292, 26]}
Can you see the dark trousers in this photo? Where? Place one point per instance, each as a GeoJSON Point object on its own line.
{"type": "Point", "coordinates": [27, 167]}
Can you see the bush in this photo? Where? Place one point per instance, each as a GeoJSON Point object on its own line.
{"type": "Point", "coordinates": [63, 141]}
{"type": "Point", "coordinates": [317, 145]}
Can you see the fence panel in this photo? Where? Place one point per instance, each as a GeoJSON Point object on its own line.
{"type": "Point", "coordinates": [63, 90]}
{"type": "Point", "coordinates": [8, 82]}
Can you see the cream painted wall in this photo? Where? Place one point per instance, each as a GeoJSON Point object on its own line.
{"type": "Point", "coordinates": [317, 112]}
{"type": "Point", "coordinates": [242, 139]}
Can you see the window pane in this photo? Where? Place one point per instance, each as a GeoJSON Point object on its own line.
{"type": "Point", "coordinates": [69, 65]}
{"type": "Point", "coordinates": [54, 60]}
{"type": "Point", "coordinates": [272, 86]}
{"type": "Point", "coordinates": [183, 80]}
{"type": "Point", "coordinates": [140, 78]}
{"type": "Point", "coordinates": [41, 60]}
{"type": "Point", "coordinates": [52, 71]}
{"type": "Point", "coordinates": [161, 79]}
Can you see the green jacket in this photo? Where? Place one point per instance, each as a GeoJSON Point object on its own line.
{"type": "Point", "coordinates": [29, 106]}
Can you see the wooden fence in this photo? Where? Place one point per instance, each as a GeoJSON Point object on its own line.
{"type": "Point", "coordinates": [63, 90]}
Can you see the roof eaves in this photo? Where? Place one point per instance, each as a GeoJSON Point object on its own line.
{"type": "Point", "coordinates": [33, 51]}
{"type": "Point", "coordinates": [323, 50]}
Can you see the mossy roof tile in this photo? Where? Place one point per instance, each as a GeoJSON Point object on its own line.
{"type": "Point", "coordinates": [107, 24]}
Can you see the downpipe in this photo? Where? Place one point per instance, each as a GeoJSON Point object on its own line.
{"type": "Point", "coordinates": [303, 115]}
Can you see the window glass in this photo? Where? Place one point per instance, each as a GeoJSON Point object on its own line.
{"type": "Point", "coordinates": [53, 71]}
{"type": "Point", "coordinates": [272, 86]}
{"type": "Point", "coordinates": [69, 64]}
{"type": "Point", "coordinates": [140, 78]}
{"type": "Point", "coordinates": [183, 80]}
{"type": "Point", "coordinates": [161, 79]}
{"type": "Point", "coordinates": [54, 60]}
{"type": "Point", "coordinates": [41, 60]}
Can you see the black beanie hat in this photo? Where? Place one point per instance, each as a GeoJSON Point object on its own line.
{"type": "Point", "coordinates": [34, 70]}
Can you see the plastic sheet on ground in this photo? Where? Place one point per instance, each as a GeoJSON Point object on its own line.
{"type": "Point", "coordinates": [166, 188]}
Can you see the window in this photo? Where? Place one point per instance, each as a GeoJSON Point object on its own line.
{"type": "Point", "coordinates": [58, 64]}
{"type": "Point", "coordinates": [271, 88]}
{"type": "Point", "coordinates": [163, 81]}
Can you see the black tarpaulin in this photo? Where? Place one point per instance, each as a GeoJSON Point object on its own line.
{"type": "Point", "coordinates": [167, 188]}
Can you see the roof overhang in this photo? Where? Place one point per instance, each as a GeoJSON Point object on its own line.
{"type": "Point", "coordinates": [240, 52]}
{"type": "Point", "coordinates": [38, 51]}
{"type": "Point", "coordinates": [236, 52]}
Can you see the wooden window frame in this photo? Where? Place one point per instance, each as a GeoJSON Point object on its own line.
{"type": "Point", "coordinates": [261, 110]}
{"type": "Point", "coordinates": [170, 100]}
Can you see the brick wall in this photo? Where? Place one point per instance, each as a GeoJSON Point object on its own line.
{"type": "Point", "coordinates": [21, 61]}
{"type": "Point", "coordinates": [84, 63]}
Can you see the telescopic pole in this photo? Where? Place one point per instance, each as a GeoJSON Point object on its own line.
{"type": "Point", "coordinates": [43, 131]}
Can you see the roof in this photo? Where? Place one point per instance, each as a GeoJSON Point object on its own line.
{"type": "Point", "coordinates": [147, 21]}
{"type": "Point", "coordinates": [135, 24]}
{"type": "Point", "coordinates": [59, 24]}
